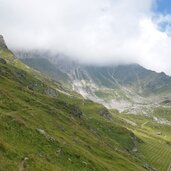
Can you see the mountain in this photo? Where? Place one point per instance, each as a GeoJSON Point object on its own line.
{"type": "Point", "coordinates": [45, 126]}
{"type": "Point", "coordinates": [124, 87]}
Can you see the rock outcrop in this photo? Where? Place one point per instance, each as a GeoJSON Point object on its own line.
{"type": "Point", "coordinates": [105, 113]}
{"type": "Point", "coordinates": [2, 43]}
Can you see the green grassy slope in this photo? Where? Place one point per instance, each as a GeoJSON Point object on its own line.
{"type": "Point", "coordinates": [44, 129]}
{"type": "Point", "coordinates": [155, 151]}
{"type": "Point", "coordinates": [44, 66]}
{"type": "Point", "coordinates": [163, 112]}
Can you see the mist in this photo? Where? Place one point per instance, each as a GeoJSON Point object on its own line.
{"type": "Point", "coordinates": [96, 32]}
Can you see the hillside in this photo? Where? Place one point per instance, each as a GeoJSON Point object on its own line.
{"type": "Point", "coordinates": [44, 126]}
{"type": "Point", "coordinates": [44, 129]}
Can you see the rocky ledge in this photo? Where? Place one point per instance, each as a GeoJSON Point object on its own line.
{"type": "Point", "coordinates": [2, 42]}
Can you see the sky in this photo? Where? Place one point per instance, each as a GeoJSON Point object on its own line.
{"type": "Point", "coordinates": [97, 32]}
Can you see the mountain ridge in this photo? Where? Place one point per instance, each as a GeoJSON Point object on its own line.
{"type": "Point", "coordinates": [114, 86]}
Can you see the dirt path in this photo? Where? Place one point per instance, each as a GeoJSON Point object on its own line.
{"type": "Point", "coordinates": [169, 169]}
{"type": "Point", "coordinates": [22, 165]}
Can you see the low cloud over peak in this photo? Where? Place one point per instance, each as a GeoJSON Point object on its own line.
{"type": "Point", "coordinates": [97, 32]}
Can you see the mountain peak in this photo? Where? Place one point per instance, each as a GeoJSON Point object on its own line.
{"type": "Point", "coordinates": [2, 42]}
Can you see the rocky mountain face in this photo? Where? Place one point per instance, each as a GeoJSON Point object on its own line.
{"type": "Point", "coordinates": [123, 87]}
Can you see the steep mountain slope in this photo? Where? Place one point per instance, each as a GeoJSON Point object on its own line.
{"type": "Point", "coordinates": [43, 127]}
{"type": "Point", "coordinates": [123, 87]}
{"type": "Point", "coordinates": [43, 65]}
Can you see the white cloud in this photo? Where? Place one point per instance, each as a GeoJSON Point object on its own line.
{"type": "Point", "coordinates": [91, 31]}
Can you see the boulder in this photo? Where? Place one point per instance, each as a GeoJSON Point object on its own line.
{"type": "Point", "coordinates": [105, 113]}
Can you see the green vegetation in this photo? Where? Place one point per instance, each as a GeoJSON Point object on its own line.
{"type": "Point", "coordinates": [110, 94]}
{"type": "Point", "coordinates": [44, 66]}
{"type": "Point", "coordinates": [49, 130]}
{"type": "Point", "coordinates": [155, 149]}
{"type": "Point", "coordinates": [44, 126]}
{"type": "Point", "coordinates": [163, 112]}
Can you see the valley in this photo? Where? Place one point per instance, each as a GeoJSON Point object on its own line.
{"type": "Point", "coordinates": [52, 117]}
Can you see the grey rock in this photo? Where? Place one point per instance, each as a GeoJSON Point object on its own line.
{"type": "Point", "coordinates": [2, 43]}
{"type": "Point", "coordinates": [135, 149]}
{"type": "Point", "coordinates": [51, 92]}
{"type": "Point", "coordinates": [75, 111]}
{"type": "Point", "coordinates": [105, 113]}
{"type": "Point", "coordinates": [41, 131]}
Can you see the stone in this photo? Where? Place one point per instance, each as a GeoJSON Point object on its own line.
{"type": "Point", "coordinates": [2, 43]}
{"type": "Point", "coordinates": [105, 113]}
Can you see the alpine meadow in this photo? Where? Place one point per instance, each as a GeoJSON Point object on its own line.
{"type": "Point", "coordinates": [85, 85]}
